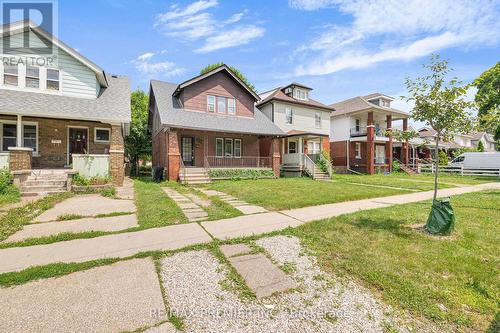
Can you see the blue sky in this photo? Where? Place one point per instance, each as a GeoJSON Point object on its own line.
{"type": "Point", "coordinates": [341, 48]}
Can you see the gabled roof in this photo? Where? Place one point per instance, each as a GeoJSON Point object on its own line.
{"type": "Point", "coordinates": [173, 115]}
{"type": "Point", "coordinates": [377, 94]}
{"type": "Point", "coordinates": [24, 26]}
{"type": "Point", "coordinates": [488, 137]}
{"type": "Point", "coordinates": [112, 104]}
{"type": "Point", "coordinates": [296, 84]}
{"type": "Point", "coordinates": [221, 68]}
{"type": "Point", "coordinates": [279, 95]}
{"type": "Point", "coordinates": [360, 103]}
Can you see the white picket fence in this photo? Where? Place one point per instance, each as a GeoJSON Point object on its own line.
{"type": "Point", "coordinates": [430, 168]}
{"type": "Point", "coordinates": [91, 165]}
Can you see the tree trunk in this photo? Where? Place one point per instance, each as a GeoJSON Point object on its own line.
{"type": "Point", "coordinates": [437, 167]}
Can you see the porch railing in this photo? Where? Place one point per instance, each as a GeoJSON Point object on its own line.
{"type": "Point", "coordinates": [238, 162]}
{"type": "Point", "coordinates": [4, 160]}
{"type": "Point", "coordinates": [91, 165]}
{"type": "Point", "coordinates": [309, 165]}
{"type": "Point", "coordinates": [381, 160]}
{"type": "Point", "coordinates": [362, 131]}
{"type": "Point", "coordinates": [292, 159]}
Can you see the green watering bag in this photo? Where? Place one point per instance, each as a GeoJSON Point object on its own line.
{"type": "Point", "coordinates": [441, 221]}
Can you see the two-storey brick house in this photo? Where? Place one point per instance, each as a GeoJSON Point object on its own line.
{"type": "Point", "coordinates": [50, 111]}
{"type": "Point", "coordinates": [360, 137]}
{"type": "Point", "coordinates": [209, 122]}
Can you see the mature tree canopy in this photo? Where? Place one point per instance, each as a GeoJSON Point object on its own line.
{"type": "Point", "coordinates": [440, 104]}
{"type": "Point", "coordinates": [239, 74]}
{"type": "Point", "coordinates": [138, 143]}
{"type": "Point", "coordinates": [488, 100]}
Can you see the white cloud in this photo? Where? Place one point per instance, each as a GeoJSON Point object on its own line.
{"type": "Point", "coordinates": [310, 4]}
{"type": "Point", "coordinates": [394, 30]}
{"type": "Point", "coordinates": [161, 68]}
{"type": "Point", "coordinates": [194, 22]}
{"type": "Point", "coordinates": [234, 37]}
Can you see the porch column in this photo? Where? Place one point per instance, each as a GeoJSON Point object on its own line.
{"type": "Point", "coordinates": [19, 131]}
{"type": "Point", "coordinates": [370, 144]}
{"type": "Point", "coordinates": [405, 150]}
{"type": "Point", "coordinates": [275, 156]}
{"type": "Point", "coordinates": [174, 156]}
{"type": "Point", "coordinates": [117, 155]}
{"type": "Point", "coordinates": [388, 145]}
{"type": "Point", "coordinates": [325, 144]}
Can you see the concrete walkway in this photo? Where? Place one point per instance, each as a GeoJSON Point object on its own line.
{"type": "Point", "coordinates": [179, 236]}
{"type": "Point", "coordinates": [190, 209]}
{"type": "Point", "coordinates": [242, 206]}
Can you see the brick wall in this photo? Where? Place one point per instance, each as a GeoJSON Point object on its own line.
{"type": "Point", "coordinates": [194, 97]}
{"type": "Point", "coordinates": [53, 140]}
{"type": "Point", "coordinates": [20, 160]}
{"type": "Point", "coordinates": [117, 153]}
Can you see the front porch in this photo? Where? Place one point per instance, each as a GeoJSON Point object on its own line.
{"type": "Point", "coordinates": [93, 149]}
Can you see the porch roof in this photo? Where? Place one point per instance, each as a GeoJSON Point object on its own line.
{"type": "Point", "coordinates": [172, 114]}
{"type": "Point", "coordinates": [302, 133]}
{"type": "Point", "coordinates": [112, 105]}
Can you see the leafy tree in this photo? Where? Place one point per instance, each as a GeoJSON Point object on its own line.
{"type": "Point", "coordinates": [488, 100]}
{"type": "Point", "coordinates": [239, 74]}
{"type": "Point", "coordinates": [480, 146]}
{"type": "Point", "coordinates": [439, 104]}
{"type": "Point", "coordinates": [138, 143]}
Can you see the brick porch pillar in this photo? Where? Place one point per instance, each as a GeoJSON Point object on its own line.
{"type": "Point", "coordinates": [275, 156]}
{"type": "Point", "coordinates": [325, 144]}
{"type": "Point", "coordinates": [388, 145]}
{"type": "Point", "coordinates": [174, 156]}
{"type": "Point", "coordinates": [405, 150]}
{"type": "Point", "coordinates": [20, 158]}
{"type": "Point", "coordinates": [117, 155]}
{"type": "Point", "coordinates": [370, 145]}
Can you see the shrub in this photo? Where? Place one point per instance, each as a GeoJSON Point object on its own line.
{"type": "Point", "coordinates": [237, 174]}
{"type": "Point", "coordinates": [396, 166]}
{"type": "Point", "coordinates": [5, 181]}
{"type": "Point", "coordinates": [84, 181]}
{"type": "Point", "coordinates": [443, 158]}
{"type": "Point", "coordinates": [323, 161]}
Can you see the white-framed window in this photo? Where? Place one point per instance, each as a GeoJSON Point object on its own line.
{"type": "Point", "coordinates": [32, 77]}
{"type": "Point", "coordinates": [237, 148]}
{"type": "Point", "coordinates": [358, 125]}
{"type": "Point", "coordinates": [8, 135]}
{"type": "Point", "coordinates": [228, 147]}
{"type": "Point", "coordinates": [300, 94]}
{"type": "Point", "coordinates": [219, 147]}
{"type": "Point", "coordinates": [289, 116]}
{"type": "Point", "coordinates": [53, 79]}
{"type": "Point", "coordinates": [10, 75]}
{"type": "Point", "coordinates": [102, 135]}
{"type": "Point", "coordinates": [292, 147]}
{"type": "Point", "coordinates": [211, 103]}
{"type": "Point", "coordinates": [317, 119]}
{"type": "Point", "coordinates": [221, 104]}
{"type": "Point", "coordinates": [358, 150]}
{"type": "Point", "coordinates": [231, 106]}
{"type": "Point", "coordinates": [313, 147]}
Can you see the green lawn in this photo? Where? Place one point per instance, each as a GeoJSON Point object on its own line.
{"type": "Point", "coordinates": [10, 195]}
{"type": "Point", "coordinates": [452, 281]}
{"type": "Point", "coordinates": [287, 193]}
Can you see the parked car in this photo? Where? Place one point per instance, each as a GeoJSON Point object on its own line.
{"type": "Point", "coordinates": [486, 160]}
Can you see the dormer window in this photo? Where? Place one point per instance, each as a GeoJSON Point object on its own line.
{"type": "Point", "coordinates": [52, 79]}
{"type": "Point", "coordinates": [300, 94]}
{"type": "Point", "coordinates": [385, 103]}
{"type": "Point", "coordinates": [10, 75]}
{"type": "Point", "coordinates": [32, 77]}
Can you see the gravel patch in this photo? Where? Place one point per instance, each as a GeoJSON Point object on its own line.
{"type": "Point", "coordinates": [199, 292]}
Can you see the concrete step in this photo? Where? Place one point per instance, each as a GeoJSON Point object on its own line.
{"type": "Point", "coordinates": [45, 182]}
{"type": "Point", "coordinates": [33, 194]}
{"type": "Point", "coordinates": [41, 188]}
{"type": "Point", "coordinates": [194, 177]}
{"type": "Point", "coordinates": [195, 182]}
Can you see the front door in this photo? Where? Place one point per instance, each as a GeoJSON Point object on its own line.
{"type": "Point", "coordinates": [379, 154]}
{"type": "Point", "coordinates": [187, 151]}
{"type": "Point", "coordinates": [77, 142]}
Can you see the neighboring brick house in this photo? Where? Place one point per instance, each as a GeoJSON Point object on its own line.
{"type": "Point", "coordinates": [305, 121]}
{"type": "Point", "coordinates": [360, 137]}
{"type": "Point", "coordinates": [209, 122]}
{"type": "Point", "coordinates": [52, 111]}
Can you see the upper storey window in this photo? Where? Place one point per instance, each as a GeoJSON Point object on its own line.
{"type": "Point", "coordinates": [222, 105]}
{"type": "Point", "coordinates": [10, 75]}
{"type": "Point", "coordinates": [231, 106]}
{"type": "Point", "coordinates": [52, 79]}
{"type": "Point", "coordinates": [32, 77]}
{"type": "Point", "coordinates": [385, 103]}
{"type": "Point", "coordinates": [300, 94]}
{"type": "Point", "coordinates": [211, 103]}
